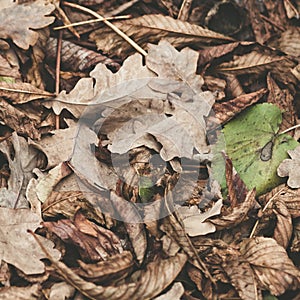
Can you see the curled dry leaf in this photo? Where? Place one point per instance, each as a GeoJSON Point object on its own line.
{"type": "Point", "coordinates": [273, 268]}
{"type": "Point", "coordinates": [114, 268]}
{"type": "Point", "coordinates": [17, 246]}
{"type": "Point", "coordinates": [290, 168]}
{"type": "Point", "coordinates": [225, 111]}
{"type": "Point", "coordinates": [151, 29]}
{"type": "Point", "coordinates": [93, 242]}
{"type": "Point", "coordinates": [133, 224]}
{"type": "Point", "coordinates": [284, 227]}
{"type": "Point", "coordinates": [18, 20]}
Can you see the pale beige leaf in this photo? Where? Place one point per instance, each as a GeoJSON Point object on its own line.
{"type": "Point", "coordinates": [130, 78]}
{"type": "Point", "coordinates": [22, 159]}
{"type": "Point", "coordinates": [275, 271]}
{"type": "Point", "coordinates": [61, 291]}
{"type": "Point", "coordinates": [18, 247]}
{"type": "Point", "coordinates": [194, 220]}
{"type": "Point", "coordinates": [151, 29]}
{"type": "Point", "coordinates": [18, 20]}
{"type": "Point", "coordinates": [47, 183]}
{"type": "Point", "coordinates": [58, 144]}
{"type": "Point", "coordinates": [175, 293]}
{"type": "Point", "coordinates": [31, 292]}
{"type": "Point", "coordinates": [290, 168]}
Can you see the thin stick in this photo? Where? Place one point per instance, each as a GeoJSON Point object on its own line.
{"type": "Point", "coordinates": [264, 209]}
{"type": "Point", "coordinates": [113, 27]}
{"type": "Point", "coordinates": [26, 92]}
{"type": "Point", "coordinates": [184, 10]}
{"type": "Point", "coordinates": [289, 129]}
{"type": "Point", "coordinates": [57, 72]}
{"type": "Point", "coordinates": [92, 21]}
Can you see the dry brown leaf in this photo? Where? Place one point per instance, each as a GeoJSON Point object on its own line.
{"type": "Point", "coordinates": [241, 277]}
{"type": "Point", "coordinates": [284, 227]}
{"type": "Point", "coordinates": [17, 245]}
{"type": "Point", "coordinates": [66, 203]}
{"type": "Point", "coordinates": [295, 245]}
{"type": "Point", "coordinates": [8, 70]}
{"type": "Point", "coordinates": [114, 268]}
{"type": "Point", "coordinates": [151, 29]}
{"type": "Point", "coordinates": [225, 111]}
{"type": "Point", "coordinates": [76, 58]}
{"type": "Point", "coordinates": [143, 285]}
{"type": "Point", "coordinates": [288, 41]}
{"type": "Point", "coordinates": [285, 101]}
{"type": "Point", "coordinates": [22, 122]}
{"type": "Point", "coordinates": [256, 62]}
{"type": "Point", "coordinates": [93, 242]}
{"type": "Point", "coordinates": [18, 20]}
{"type": "Point", "coordinates": [275, 271]}
{"type": "Point", "coordinates": [133, 224]}
{"type": "Point", "coordinates": [290, 168]}
{"type": "Point", "coordinates": [22, 160]}
{"type": "Point", "coordinates": [291, 10]}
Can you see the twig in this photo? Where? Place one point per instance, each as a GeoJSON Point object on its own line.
{"type": "Point", "coordinates": [57, 72]}
{"type": "Point", "coordinates": [26, 92]}
{"type": "Point", "coordinates": [113, 27]}
{"type": "Point", "coordinates": [289, 129]}
{"type": "Point", "coordinates": [272, 23]}
{"type": "Point", "coordinates": [121, 8]}
{"type": "Point", "coordinates": [92, 21]}
{"type": "Point", "coordinates": [184, 10]}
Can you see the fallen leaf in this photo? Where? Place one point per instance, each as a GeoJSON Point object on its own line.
{"type": "Point", "coordinates": [22, 159]}
{"type": "Point", "coordinates": [114, 268]}
{"type": "Point", "coordinates": [256, 149]}
{"type": "Point", "coordinates": [290, 168]}
{"type": "Point", "coordinates": [272, 266]}
{"type": "Point", "coordinates": [152, 28]}
{"type": "Point", "coordinates": [18, 247]}
{"type": "Point", "coordinates": [21, 293]}
{"type": "Point", "coordinates": [18, 20]}
{"type": "Point", "coordinates": [93, 242]}
{"type": "Point", "coordinates": [194, 220]}
{"type": "Point", "coordinates": [61, 291]}
{"type": "Point", "coordinates": [175, 293]}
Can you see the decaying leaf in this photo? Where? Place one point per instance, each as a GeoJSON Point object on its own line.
{"type": "Point", "coordinates": [151, 29]}
{"type": "Point", "coordinates": [21, 293]}
{"type": "Point", "coordinates": [175, 293]}
{"type": "Point", "coordinates": [17, 246]}
{"type": "Point", "coordinates": [94, 242]}
{"type": "Point", "coordinates": [290, 168]}
{"type": "Point", "coordinates": [272, 266]}
{"type": "Point", "coordinates": [18, 20]}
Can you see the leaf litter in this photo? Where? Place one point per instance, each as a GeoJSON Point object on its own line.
{"type": "Point", "coordinates": [173, 176]}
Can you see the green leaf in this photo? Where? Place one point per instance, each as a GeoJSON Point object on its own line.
{"type": "Point", "coordinates": [252, 141]}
